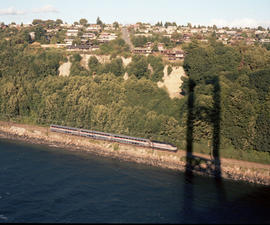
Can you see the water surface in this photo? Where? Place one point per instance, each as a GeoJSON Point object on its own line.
{"type": "Point", "coordinates": [46, 184]}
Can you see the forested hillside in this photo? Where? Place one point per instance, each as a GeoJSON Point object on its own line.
{"type": "Point", "coordinates": [229, 87]}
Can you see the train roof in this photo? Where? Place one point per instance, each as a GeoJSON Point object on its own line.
{"type": "Point", "coordinates": [100, 132]}
{"type": "Point", "coordinates": [160, 142]}
{"type": "Point", "coordinates": [125, 136]}
{"type": "Point", "coordinates": [60, 126]}
{"type": "Point", "coordinates": [115, 135]}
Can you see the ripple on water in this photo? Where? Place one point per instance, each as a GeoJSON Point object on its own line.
{"type": "Point", "coordinates": [2, 217]}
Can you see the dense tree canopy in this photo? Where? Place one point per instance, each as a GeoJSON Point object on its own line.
{"type": "Point", "coordinates": [244, 92]}
{"type": "Point", "coordinates": [230, 92]}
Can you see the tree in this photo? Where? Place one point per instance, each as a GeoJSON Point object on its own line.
{"type": "Point", "coordinates": [77, 41]}
{"type": "Point", "coordinates": [157, 65]}
{"type": "Point", "coordinates": [139, 41]}
{"type": "Point", "coordinates": [176, 35]}
{"type": "Point", "coordinates": [39, 33]}
{"type": "Point", "coordinates": [169, 70]}
{"type": "Point", "coordinates": [59, 21]}
{"type": "Point", "coordinates": [139, 66]}
{"type": "Point", "coordinates": [116, 25]}
{"type": "Point", "coordinates": [159, 24]}
{"type": "Point", "coordinates": [155, 47]}
{"type": "Point", "coordinates": [260, 28]}
{"type": "Point", "coordinates": [167, 24]}
{"type": "Point", "coordinates": [37, 21]}
{"type": "Point", "coordinates": [83, 22]}
{"type": "Point", "coordinates": [116, 67]}
{"type": "Point", "coordinates": [94, 65]}
{"type": "Point", "coordinates": [76, 57]}
{"type": "Point", "coordinates": [99, 22]}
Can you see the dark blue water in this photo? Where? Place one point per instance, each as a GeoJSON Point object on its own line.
{"type": "Point", "coordinates": [45, 184]}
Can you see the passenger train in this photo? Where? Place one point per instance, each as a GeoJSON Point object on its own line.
{"type": "Point", "coordinates": [113, 137]}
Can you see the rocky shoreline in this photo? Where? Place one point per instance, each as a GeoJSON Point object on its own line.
{"type": "Point", "coordinates": [230, 169]}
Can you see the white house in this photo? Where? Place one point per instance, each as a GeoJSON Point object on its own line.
{"type": "Point", "coordinates": [72, 33]}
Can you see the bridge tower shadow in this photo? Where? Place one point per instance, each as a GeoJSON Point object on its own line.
{"type": "Point", "coordinates": [200, 164]}
{"type": "Point", "coordinates": [209, 166]}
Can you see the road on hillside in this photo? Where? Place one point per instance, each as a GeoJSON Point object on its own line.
{"type": "Point", "coordinates": [125, 36]}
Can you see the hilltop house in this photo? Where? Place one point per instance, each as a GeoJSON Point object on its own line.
{"type": "Point", "coordinates": [94, 28]}
{"type": "Point", "coordinates": [89, 36]}
{"type": "Point", "coordinates": [72, 33]}
{"type": "Point", "coordinates": [105, 37]}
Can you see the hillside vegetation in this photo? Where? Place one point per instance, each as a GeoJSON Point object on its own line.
{"type": "Point", "coordinates": [226, 96]}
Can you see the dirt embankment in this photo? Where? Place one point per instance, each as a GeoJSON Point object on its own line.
{"type": "Point", "coordinates": [64, 69]}
{"type": "Point", "coordinates": [231, 169]}
{"type": "Point", "coordinates": [172, 82]}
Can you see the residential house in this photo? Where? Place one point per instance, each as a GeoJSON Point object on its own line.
{"type": "Point", "coordinates": [231, 32]}
{"type": "Point", "coordinates": [179, 54]}
{"type": "Point", "coordinates": [261, 32]}
{"type": "Point", "coordinates": [65, 25]}
{"type": "Point", "coordinates": [221, 31]}
{"type": "Point", "coordinates": [72, 33]}
{"type": "Point", "coordinates": [105, 37]}
{"type": "Point", "coordinates": [138, 50]}
{"type": "Point", "coordinates": [264, 40]}
{"type": "Point", "coordinates": [68, 41]}
{"type": "Point", "coordinates": [94, 28]}
{"type": "Point", "coordinates": [250, 41]}
{"type": "Point", "coordinates": [194, 31]}
{"type": "Point", "coordinates": [109, 27]}
{"type": "Point", "coordinates": [161, 46]}
{"type": "Point", "coordinates": [171, 29]}
{"type": "Point", "coordinates": [89, 36]}
{"type": "Point", "coordinates": [145, 35]}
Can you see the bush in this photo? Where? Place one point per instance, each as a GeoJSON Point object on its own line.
{"type": "Point", "coordinates": [169, 70]}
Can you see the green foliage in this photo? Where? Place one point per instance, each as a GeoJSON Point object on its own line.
{"type": "Point", "coordinates": [231, 96]}
{"type": "Point", "coordinates": [94, 65]}
{"type": "Point", "coordinates": [77, 70]}
{"type": "Point", "coordinates": [40, 35]}
{"type": "Point", "coordinates": [76, 57]}
{"type": "Point", "coordinates": [243, 95]}
{"type": "Point", "coordinates": [114, 47]}
{"type": "Point", "coordinates": [99, 22]}
{"type": "Point", "coordinates": [138, 66]}
{"type": "Point", "coordinates": [157, 65]}
{"type": "Point", "coordinates": [115, 66]}
{"type": "Point", "coordinates": [29, 63]}
{"type": "Point", "coordinates": [76, 67]}
{"type": "Point", "coordinates": [83, 21]}
{"type": "Point", "coordinates": [267, 46]}
{"type": "Point", "coordinates": [116, 25]}
{"type": "Point", "coordinates": [204, 63]}
{"type": "Point", "coordinates": [138, 41]}
{"type": "Point", "coordinates": [169, 70]}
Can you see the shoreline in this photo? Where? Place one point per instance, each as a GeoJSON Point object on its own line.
{"type": "Point", "coordinates": [230, 169]}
